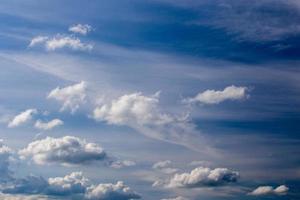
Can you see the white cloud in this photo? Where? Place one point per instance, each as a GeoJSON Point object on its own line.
{"type": "Point", "coordinates": [38, 40]}
{"type": "Point", "coordinates": [66, 150]}
{"type": "Point", "coordinates": [48, 125]}
{"type": "Point", "coordinates": [71, 96]}
{"type": "Point", "coordinates": [82, 29]}
{"type": "Point", "coordinates": [216, 97]}
{"type": "Point", "coordinates": [200, 163]}
{"type": "Point", "coordinates": [59, 42]}
{"type": "Point", "coordinates": [164, 166]}
{"type": "Point", "coordinates": [118, 191]}
{"type": "Point", "coordinates": [73, 183]}
{"type": "Point", "coordinates": [201, 176]}
{"type": "Point", "coordinates": [23, 197]}
{"type": "Point", "coordinates": [120, 164]}
{"type": "Point", "coordinates": [143, 114]}
{"type": "Point", "coordinates": [269, 190]}
{"type": "Point", "coordinates": [22, 118]}
{"type": "Point", "coordinates": [176, 198]}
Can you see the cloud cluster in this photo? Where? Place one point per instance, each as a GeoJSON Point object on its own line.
{"type": "Point", "coordinates": [66, 150]}
{"type": "Point", "coordinates": [71, 96]}
{"type": "Point", "coordinates": [202, 176]}
{"type": "Point", "coordinates": [48, 125]}
{"type": "Point", "coordinates": [82, 29]}
{"type": "Point", "coordinates": [216, 97]}
{"type": "Point", "coordinates": [269, 190]}
{"type": "Point", "coordinates": [143, 114]}
{"type": "Point", "coordinates": [71, 185]}
{"type": "Point", "coordinates": [60, 42]}
{"type": "Point", "coordinates": [22, 118]}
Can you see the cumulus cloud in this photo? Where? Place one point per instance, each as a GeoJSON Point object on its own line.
{"type": "Point", "coordinates": [48, 125]}
{"type": "Point", "coordinates": [60, 42]}
{"type": "Point", "coordinates": [176, 198]}
{"type": "Point", "coordinates": [269, 190]}
{"type": "Point", "coordinates": [71, 96]}
{"type": "Point", "coordinates": [165, 167]}
{"type": "Point", "coordinates": [22, 118]}
{"type": "Point", "coordinates": [37, 40]}
{"type": "Point", "coordinates": [143, 114]}
{"type": "Point", "coordinates": [66, 150]}
{"type": "Point", "coordinates": [216, 97]}
{"type": "Point", "coordinates": [82, 29]}
{"type": "Point", "coordinates": [71, 185]}
{"type": "Point", "coordinates": [202, 176]}
{"type": "Point", "coordinates": [118, 191]}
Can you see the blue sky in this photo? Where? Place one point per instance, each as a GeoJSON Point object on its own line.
{"type": "Point", "coordinates": [153, 100]}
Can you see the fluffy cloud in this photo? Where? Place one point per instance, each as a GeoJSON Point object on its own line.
{"type": "Point", "coordinates": [72, 185]}
{"type": "Point", "coordinates": [48, 125]}
{"type": "Point", "coordinates": [67, 150]}
{"type": "Point", "coordinates": [143, 114]}
{"type": "Point", "coordinates": [23, 197]}
{"type": "Point", "coordinates": [82, 29]}
{"type": "Point", "coordinates": [71, 96]}
{"type": "Point", "coordinates": [269, 190]}
{"type": "Point", "coordinates": [22, 118]}
{"type": "Point", "coordinates": [164, 166]}
{"type": "Point", "coordinates": [5, 154]}
{"type": "Point", "coordinates": [216, 97]}
{"type": "Point", "coordinates": [176, 198]}
{"type": "Point", "coordinates": [118, 191]}
{"type": "Point", "coordinates": [59, 42]}
{"type": "Point", "coordinates": [201, 176]}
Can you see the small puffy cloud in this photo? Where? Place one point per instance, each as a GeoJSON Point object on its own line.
{"type": "Point", "coordinates": [71, 96]}
{"type": "Point", "coordinates": [165, 167]}
{"type": "Point", "coordinates": [37, 40]}
{"type": "Point", "coordinates": [216, 97]}
{"type": "Point", "coordinates": [5, 154]}
{"type": "Point", "coordinates": [118, 191]}
{"type": "Point", "coordinates": [202, 176]}
{"type": "Point", "coordinates": [22, 118]}
{"type": "Point", "coordinates": [176, 198]}
{"type": "Point", "coordinates": [59, 42]}
{"type": "Point", "coordinates": [82, 29]}
{"type": "Point", "coordinates": [118, 164]}
{"type": "Point", "coordinates": [269, 190]}
{"type": "Point", "coordinates": [48, 125]}
{"type": "Point", "coordinates": [66, 150]}
{"type": "Point", "coordinates": [73, 183]}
